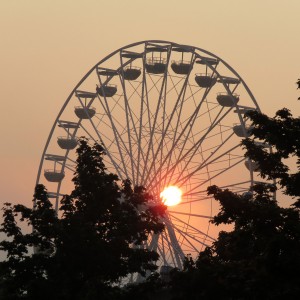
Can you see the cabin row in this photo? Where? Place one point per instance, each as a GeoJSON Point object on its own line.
{"type": "Point", "coordinates": [88, 112]}
{"type": "Point", "coordinates": [69, 143]}
{"type": "Point", "coordinates": [203, 80]}
{"type": "Point", "coordinates": [54, 175]}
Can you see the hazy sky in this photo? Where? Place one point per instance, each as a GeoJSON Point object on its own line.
{"type": "Point", "coordinates": [47, 46]}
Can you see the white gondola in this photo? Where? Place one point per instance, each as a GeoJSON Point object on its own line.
{"type": "Point", "coordinates": [131, 73]}
{"type": "Point", "coordinates": [85, 95]}
{"type": "Point", "coordinates": [54, 157]}
{"type": "Point", "coordinates": [156, 65]}
{"type": "Point", "coordinates": [85, 112]}
{"type": "Point", "coordinates": [131, 55]}
{"type": "Point", "coordinates": [181, 67]}
{"type": "Point", "coordinates": [239, 131]}
{"type": "Point", "coordinates": [244, 109]}
{"type": "Point", "coordinates": [54, 195]}
{"type": "Point", "coordinates": [205, 80]}
{"type": "Point", "coordinates": [159, 49]}
{"type": "Point", "coordinates": [227, 100]}
{"type": "Point", "coordinates": [54, 175]}
{"type": "Point", "coordinates": [183, 49]}
{"type": "Point", "coordinates": [229, 80]}
{"type": "Point", "coordinates": [67, 143]}
{"type": "Point", "coordinates": [107, 72]}
{"type": "Point", "coordinates": [67, 124]}
{"type": "Point", "coordinates": [207, 61]}
{"type": "Point", "coordinates": [108, 90]}
{"type": "Point", "coordinates": [252, 165]}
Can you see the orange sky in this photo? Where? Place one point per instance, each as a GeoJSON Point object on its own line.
{"type": "Point", "coordinates": [47, 46]}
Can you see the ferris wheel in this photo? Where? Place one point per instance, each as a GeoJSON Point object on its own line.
{"type": "Point", "coordinates": [169, 116]}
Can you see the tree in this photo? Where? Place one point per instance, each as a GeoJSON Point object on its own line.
{"type": "Point", "coordinates": [283, 133]}
{"type": "Point", "coordinates": [260, 257]}
{"type": "Point", "coordinates": [96, 241]}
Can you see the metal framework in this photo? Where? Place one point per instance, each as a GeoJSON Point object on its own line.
{"type": "Point", "coordinates": [166, 114]}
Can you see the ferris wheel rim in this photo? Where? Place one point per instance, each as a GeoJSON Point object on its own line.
{"type": "Point", "coordinates": [171, 44]}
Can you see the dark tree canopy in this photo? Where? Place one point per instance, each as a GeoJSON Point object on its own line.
{"type": "Point", "coordinates": [84, 253]}
{"type": "Point", "coordinates": [283, 133]}
{"type": "Point", "coordinates": [260, 257]}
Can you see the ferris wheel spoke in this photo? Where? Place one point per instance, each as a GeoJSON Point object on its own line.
{"type": "Point", "coordinates": [160, 252]}
{"type": "Point", "coordinates": [174, 143]}
{"type": "Point", "coordinates": [174, 85]}
{"type": "Point", "coordinates": [168, 257]}
{"type": "Point", "coordinates": [132, 114]}
{"type": "Point", "coordinates": [115, 160]}
{"type": "Point", "coordinates": [179, 98]}
{"type": "Point", "coordinates": [151, 125]}
{"type": "Point", "coordinates": [205, 164]}
{"type": "Point", "coordinates": [235, 184]}
{"type": "Point", "coordinates": [171, 249]}
{"type": "Point", "coordinates": [178, 253]}
{"type": "Point", "coordinates": [195, 197]}
{"type": "Point", "coordinates": [165, 118]}
{"type": "Point", "coordinates": [88, 133]}
{"type": "Point", "coordinates": [162, 145]}
{"type": "Point", "coordinates": [226, 157]}
{"type": "Point", "coordinates": [118, 137]}
{"type": "Point", "coordinates": [107, 152]}
{"type": "Point", "coordinates": [190, 244]}
{"type": "Point", "coordinates": [194, 148]}
{"type": "Point", "coordinates": [163, 254]}
{"type": "Point", "coordinates": [189, 235]}
{"type": "Point", "coordinates": [147, 126]}
{"type": "Point", "coordinates": [233, 88]}
{"type": "Point", "coordinates": [178, 123]}
{"type": "Point", "coordinates": [199, 194]}
{"type": "Point", "coordinates": [193, 94]}
{"type": "Point", "coordinates": [139, 141]}
{"type": "Point", "coordinates": [189, 214]}
{"type": "Point", "coordinates": [153, 244]}
{"type": "Point", "coordinates": [127, 113]}
{"type": "Point", "coordinates": [194, 228]}
{"type": "Point", "coordinates": [152, 128]}
{"type": "Point", "coordinates": [163, 128]}
{"type": "Point", "coordinates": [188, 124]}
{"type": "Point", "coordinates": [216, 175]}
{"type": "Point", "coordinates": [64, 165]}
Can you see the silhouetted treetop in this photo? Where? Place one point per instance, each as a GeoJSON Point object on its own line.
{"type": "Point", "coordinates": [98, 240]}
{"type": "Point", "coordinates": [282, 133]}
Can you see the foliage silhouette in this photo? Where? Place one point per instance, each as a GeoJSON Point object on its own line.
{"type": "Point", "coordinates": [283, 133]}
{"type": "Point", "coordinates": [260, 257]}
{"type": "Point", "coordinates": [96, 241]}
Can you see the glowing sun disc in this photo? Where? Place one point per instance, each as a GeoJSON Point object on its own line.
{"type": "Point", "coordinates": [171, 195]}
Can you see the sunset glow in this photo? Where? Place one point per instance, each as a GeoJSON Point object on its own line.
{"type": "Point", "coordinates": [171, 195]}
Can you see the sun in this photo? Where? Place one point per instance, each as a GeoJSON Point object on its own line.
{"type": "Point", "coordinates": [171, 195]}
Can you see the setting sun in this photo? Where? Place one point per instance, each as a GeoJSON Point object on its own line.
{"type": "Point", "coordinates": [171, 195]}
